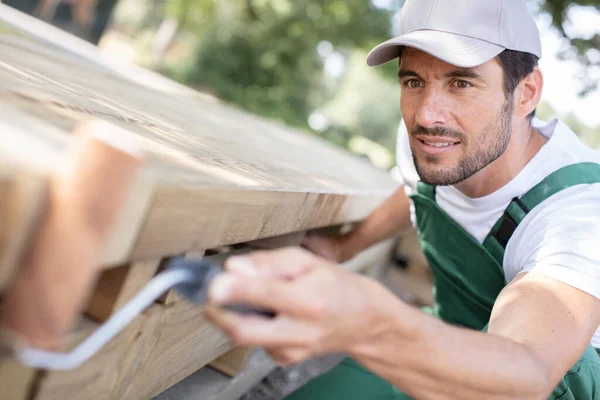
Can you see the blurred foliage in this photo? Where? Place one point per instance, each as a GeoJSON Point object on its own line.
{"type": "Point", "coordinates": [271, 57]}
{"type": "Point", "coordinates": [586, 50]}
{"type": "Point", "coordinates": [262, 54]}
{"type": "Point", "coordinates": [590, 135]}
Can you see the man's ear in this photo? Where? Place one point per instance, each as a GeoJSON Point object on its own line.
{"type": "Point", "coordinates": [529, 93]}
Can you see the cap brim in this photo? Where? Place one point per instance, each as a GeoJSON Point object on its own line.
{"type": "Point", "coordinates": [459, 50]}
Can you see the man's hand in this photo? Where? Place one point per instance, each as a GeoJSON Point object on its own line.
{"type": "Point", "coordinates": [391, 218]}
{"type": "Point", "coordinates": [330, 248]}
{"type": "Point", "coordinates": [320, 308]}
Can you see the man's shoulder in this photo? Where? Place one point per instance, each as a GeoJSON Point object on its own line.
{"type": "Point", "coordinates": [564, 143]}
{"type": "Point", "coordinates": [564, 161]}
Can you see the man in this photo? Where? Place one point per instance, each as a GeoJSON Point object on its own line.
{"type": "Point", "coordinates": [507, 209]}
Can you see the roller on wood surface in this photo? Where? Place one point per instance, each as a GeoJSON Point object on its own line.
{"type": "Point", "coordinates": [60, 264]}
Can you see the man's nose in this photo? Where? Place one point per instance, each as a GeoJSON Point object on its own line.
{"type": "Point", "coordinates": [433, 109]}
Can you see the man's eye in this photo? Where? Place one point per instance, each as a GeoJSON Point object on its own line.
{"type": "Point", "coordinates": [412, 83]}
{"type": "Point", "coordinates": [461, 84]}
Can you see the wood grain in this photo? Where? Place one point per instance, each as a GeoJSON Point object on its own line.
{"type": "Point", "coordinates": [216, 175]}
{"type": "Point", "coordinates": [291, 239]}
{"type": "Point", "coordinates": [16, 380]}
{"type": "Point", "coordinates": [97, 378]}
{"type": "Point", "coordinates": [160, 348]}
{"type": "Point", "coordinates": [234, 361]}
{"type": "Point", "coordinates": [117, 286]}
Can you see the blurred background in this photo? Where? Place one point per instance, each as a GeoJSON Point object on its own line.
{"type": "Point", "coordinates": [302, 62]}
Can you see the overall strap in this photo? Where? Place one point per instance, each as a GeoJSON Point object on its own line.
{"type": "Point", "coordinates": [426, 190]}
{"type": "Point", "coordinates": [565, 177]}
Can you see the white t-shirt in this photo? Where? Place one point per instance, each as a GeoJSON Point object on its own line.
{"type": "Point", "coordinates": [559, 238]}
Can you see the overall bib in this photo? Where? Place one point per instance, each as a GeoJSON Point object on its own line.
{"type": "Point", "coordinates": [468, 278]}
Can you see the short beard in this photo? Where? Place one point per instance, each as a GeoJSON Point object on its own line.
{"type": "Point", "coordinates": [494, 140]}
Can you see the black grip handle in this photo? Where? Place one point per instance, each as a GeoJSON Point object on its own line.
{"type": "Point", "coordinates": [196, 290]}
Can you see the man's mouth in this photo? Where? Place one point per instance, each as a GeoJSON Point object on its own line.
{"type": "Point", "coordinates": [439, 144]}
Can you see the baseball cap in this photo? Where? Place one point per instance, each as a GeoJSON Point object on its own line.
{"type": "Point", "coordinates": [465, 33]}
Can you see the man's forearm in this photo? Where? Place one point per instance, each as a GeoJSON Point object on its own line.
{"type": "Point", "coordinates": [429, 359]}
{"type": "Point", "coordinates": [390, 218]}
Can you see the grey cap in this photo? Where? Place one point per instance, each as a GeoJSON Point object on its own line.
{"type": "Point", "coordinates": [465, 33]}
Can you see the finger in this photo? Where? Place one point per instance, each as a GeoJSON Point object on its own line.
{"type": "Point", "coordinates": [257, 331]}
{"type": "Point", "coordinates": [228, 321]}
{"type": "Point", "coordinates": [285, 263]}
{"type": "Point", "coordinates": [280, 296]}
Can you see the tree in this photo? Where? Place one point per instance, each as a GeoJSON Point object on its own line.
{"type": "Point", "coordinates": [584, 50]}
{"type": "Point", "coordinates": [263, 55]}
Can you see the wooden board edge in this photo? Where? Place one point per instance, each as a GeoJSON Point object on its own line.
{"type": "Point", "coordinates": [117, 286]}
{"type": "Point", "coordinates": [200, 225]}
{"type": "Point", "coordinates": [234, 361]}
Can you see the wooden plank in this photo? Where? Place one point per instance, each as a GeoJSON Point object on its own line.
{"type": "Point", "coordinates": [117, 286]}
{"type": "Point", "coordinates": [291, 239]}
{"type": "Point", "coordinates": [234, 361]}
{"type": "Point", "coordinates": [212, 218]}
{"type": "Point", "coordinates": [95, 379]}
{"type": "Point", "coordinates": [246, 379]}
{"type": "Point", "coordinates": [160, 348]}
{"type": "Point", "coordinates": [16, 380]}
{"type": "Point", "coordinates": [210, 384]}
{"type": "Point", "coordinates": [184, 343]}
{"type": "Point", "coordinates": [214, 176]}
{"type": "Point", "coordinates": [213, 166]}
{"type": "Point", "coordinates": [26, 25]}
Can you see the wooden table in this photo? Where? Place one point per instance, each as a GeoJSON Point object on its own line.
{"type": "Point", "coordinates": [215, 176]}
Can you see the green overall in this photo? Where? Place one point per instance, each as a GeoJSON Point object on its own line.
{"type": "Point", "coordinates": [468, 278]}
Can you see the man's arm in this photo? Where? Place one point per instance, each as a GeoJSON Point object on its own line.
{"type": "Point", "coordinates": [539, 328]}
{"type": "Point", "coordinates": [390, 218]}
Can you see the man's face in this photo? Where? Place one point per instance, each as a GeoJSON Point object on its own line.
{"type": "Point", "coordinates": [458, 119]}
